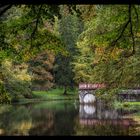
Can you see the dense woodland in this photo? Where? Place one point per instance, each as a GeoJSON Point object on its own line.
{"type": "Point", "coordinates": [59, 46]}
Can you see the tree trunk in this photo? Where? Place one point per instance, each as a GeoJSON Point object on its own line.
{"type": "Point", "coordinates": [65, 90]}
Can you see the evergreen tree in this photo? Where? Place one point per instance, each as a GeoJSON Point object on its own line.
{"type": "Point", "coordinates": [70, 26]}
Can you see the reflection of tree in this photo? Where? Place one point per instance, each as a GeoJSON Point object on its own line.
{"type": "Point", "coordinates": [15, 121]}
{"type": "Point", "coordinates": [43, 122]}
{"type": "Point", "coordinates": [65, 121]}
{"type": "Point", "coordinates": [53, 120]}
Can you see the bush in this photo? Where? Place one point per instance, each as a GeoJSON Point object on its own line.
{"type": "Point", "coordinates": [107, 94]}
{"type": "Point", "coordinates": [17, 81]}
{"type": "Point", "coordinates": [4, 97]}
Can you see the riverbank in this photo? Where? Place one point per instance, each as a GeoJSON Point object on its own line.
{"type": "Point", "coordinates": [127, 105]}
{"type": "Point", "coordinates": [134, 108]}
{"type": "Point", "coordinates": [53, 94]}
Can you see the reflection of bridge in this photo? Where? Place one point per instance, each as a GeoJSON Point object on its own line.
{"type": "Point", "coordinates": [98, 114]}
{"type": "Point", "coordinates": [91, 115]}
{"type": "Point", "coordinates": [98, 111]}
{"type": "Point", "coordinates": [102, 120]}
{"type": "Point", "coordinates": [123, 122]}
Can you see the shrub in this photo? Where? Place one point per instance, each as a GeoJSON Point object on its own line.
{"type": "Point", "coordinates": [4, 96]}
{"type": "Point", "coordinates": [17, 81]}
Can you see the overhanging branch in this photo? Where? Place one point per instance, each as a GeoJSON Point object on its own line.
{"type": "Point", "coordinates": [4, 8]}
{"type": "Point", "coordinates": [129, 21]}
{"type": "Point", "coordinates": [36, 26]}
{"type": "Point", "coordinates": [131, 31]}
{"type": "Point", "coordinates": [137, 16]}
{"type": "Point", "coordinates": [125, 26]}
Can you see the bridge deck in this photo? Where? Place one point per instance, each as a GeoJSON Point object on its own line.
{"type": "Point", "coordinates": [130, 91]}
{"type": "Point", "coordinates": [87, 86]}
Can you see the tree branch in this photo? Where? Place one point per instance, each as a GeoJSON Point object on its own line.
{"type": "Point", "coordinates": [137, 23]}
{"type": "Point", "coordinates": [36, 26]}
{"type": "Point", "coordinates": [4, 8]}
{"type": "Point", "coordinates": [125, 26]}
{"type": "Point", "coordinates": [131, 30]}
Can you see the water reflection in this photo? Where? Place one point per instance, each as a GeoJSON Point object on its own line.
{"type": "Point", "coordinates": [64, 118]}
{"type": "Point", "coordinates": [15, 120]}
{"type": "Point", "coordinates": [99, 119]}
{"type": "Point", "coordinates": [98, 111]}
{"type": "Point", "coordinates": [45, 118]}
{"type": "Point", "coordinates": [89, 115]}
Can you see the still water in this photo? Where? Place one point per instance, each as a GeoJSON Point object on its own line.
{"type": "Point", "coordinates": [65, 118]}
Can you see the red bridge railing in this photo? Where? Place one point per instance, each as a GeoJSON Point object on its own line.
{"type": "Point", "coordinates": [90, 86]}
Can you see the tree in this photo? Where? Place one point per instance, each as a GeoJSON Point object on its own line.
{"type": "Point", "coordinates": [41, 68]}
{"type": "Point", "coordinates": [113, 35]}
{"type": "Point", "coordinates": [16, 79]}
{"type": "Point", "coordinates": [22, 35]}
{"type": "Point", "coordinates": [83, 61]}
{"type": "Point", "coordinates": [27, 33]}
{"type": "Point", "coordinates": [70, 27]}
{"type": "Point", "coordinates": [4, 8]}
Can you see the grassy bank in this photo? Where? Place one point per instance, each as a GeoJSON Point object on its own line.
{"type": "Point", "coordinates": [127, 105]}
{"type": "Point", "coordinates": [131, 106]}
{"type": "Point", "coordinates": [53, 94]}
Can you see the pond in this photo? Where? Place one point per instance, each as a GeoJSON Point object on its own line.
{"type": "Point", "coordinates": [65, 118]}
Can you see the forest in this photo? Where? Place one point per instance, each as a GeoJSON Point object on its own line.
{"type": "Point", "coordinates": [56, 47]}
